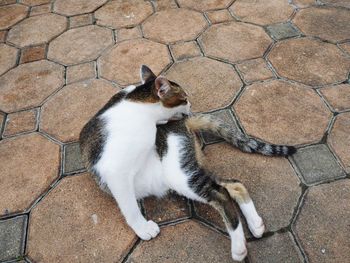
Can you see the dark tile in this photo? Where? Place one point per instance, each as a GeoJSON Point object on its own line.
{"type": "Point", "coordinates": [282, 31]}
{"type": "Point", "coordinates": [316, 163]}
{"type": "Point", "coordinates": [72, 158]}
{"type": "Point", "coordinates": [12, 233]}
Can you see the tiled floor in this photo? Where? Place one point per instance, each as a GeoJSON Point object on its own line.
{"type": "Point", "coordinates": [278, 68]}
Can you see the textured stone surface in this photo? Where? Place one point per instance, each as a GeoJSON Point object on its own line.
{"type": "Point", "coordinates": [186, 242]}
{"type": "Point", "coordinates": [11, 14]}
{"type": "Point", "coordinates": [219, 16]}
{"type": "Point", "coordinates": [337, 96]}
{"type": "Point", "coordinates": [37, 30]}
{"type": "Point", "coordinates": [205, 5]}
{"type": "Point", "coordinates": [7, 2]}
{"type": "Point", "coordinates": [168, 208]}
{"type": "Point", "coordinates": [76, 7]}
{"type": "Point", "coordinates": [72, 158]}
{"type": "Point", "coordinates": [2, 120]}
{"type": "Point", "coordinates": [254, 70]}
{"type": "Point", "coordinates": [282, 31]}
{"type": "Point", "coordinates": [210, 84]}
{"type": "Point", "coordinates": [128, 33]}
{"type": "Point", "coordinates": [81, 72]}
{"type": "Point", "coordinates": [29, 84]}
{"type": "Point", "coordinates": [316, 163]}
{"type": "Point", "coordinates": [235, 41]}
{"type": "Point", "coordinates": [80, 44]}
{"type": "Point", "coordinates": [76, 98]}
{"type": "Point", "coordinates": [343, 3]}
{"type": "Point", "coordinates": [172, 25]}
{"type": "Point", "coordinates": [339, 139]}
{"type": "Point", "coordinates": [310, 61]}
{"type": "Point", "coordinates": [12, 233]}
{"type": "Point", "coordinates": [184, 50]}
{"type": "Point", "coordinates": [34, 2]}
{"type": "Point", "coordinates": [8, 57]}
{"type": "Point", "coordinates": [345, 47]}
{"type": "Point", "coordinates": [35, 53]}
{"type": "Point", "coordinates": [276, 249]}
{"type": "Point", "coordinates": [323, 222]}
{"type": "Point", "coordinates": [304, 3]}
{"type": "Point", "coordinates": [80, 20]}
{"type": "Point", "coordinates": [262, 12]}
{"type": "Point", "coordinates": [3, 36]}
{"type": "Point", "coordinates": [120, 13]}
{"type": "Point", "coordinates": [301, 116]}
{"type": "Point", "coordinates": [164, 4]}
{"type": "Point", "coordinates": [271, 182]}
{"type": "Point", "coordinates": [329, 23]}
{"type": "Point", "coordinates": [23, 121]}
{"type": "Point", "coordinates": [122, 63]}
{"type": "Point", "coordinates": [41, 9]}
{"type": "Point", "coordinates": [29, 164]}
{"type": "Point", "coordinates": [79, 219]}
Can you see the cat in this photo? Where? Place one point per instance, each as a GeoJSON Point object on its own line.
{"type": "Point", "coordinates": [168, 156]}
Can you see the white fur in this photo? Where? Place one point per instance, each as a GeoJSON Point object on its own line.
{"type": "Point", "coordinates": [255, 222]}
{"type": "Point", "coordinates": [238, 243]}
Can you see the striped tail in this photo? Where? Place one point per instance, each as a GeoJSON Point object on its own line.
{"type": "Point", "coordinates": [234, 136]}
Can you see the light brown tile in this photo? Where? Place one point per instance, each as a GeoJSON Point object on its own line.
{"type": "Point", "coordinates": [34, 2]}
{"type": "Point", "coordinates": [254, 70]}
{"type": "Point", "coordinates": [184, 50]}
{"type": "Point", "coordinates": [41, 9]}
{"type": "Point", "coordinates": [19, 122]}
{"type": "Point", "coordinates": [2, 119]}
{"type": "Point", "coordinates": [8, 57]}
{"type": "Point", "coordinates": [342, 3]}
{"type": "Point", "coordinates": [304, 3]}
{"type": "Point", "coordinates": [7, 2]}
{"type": "Point", "coordinates": [204, 5]}
{"type": "Point", "coordinates": [80, 20]}
{"type": "Point", "coordinates": [76, 7]}
{"type": "Point", "coordinates": [81, 72]}
{"type": "Point", "coordinates": [11, 14]}
{"type": "Point", "coordinates": [219, 16]}
{"type": "Point", "coordinates": [338, 96]}
{"type": "Point", "coordinates": [128, 33]}
{"type": "Point", "coordinates": [3, 36]}
{"type": "Point", "coordinates": [282, 113]}
{"type": "Point", "coordinates": [164, 4]}
{"type": "Point", "coordinates": [34, 53]}
{"type": "Point", "coordinates": [346, 47]}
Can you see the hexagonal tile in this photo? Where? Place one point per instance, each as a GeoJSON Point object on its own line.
{"type": "Point", "coordinates": [337, 96]}
{"type": "Point", "coordinates": [76, 7]}
{"type": "Point", "coordinates": [8, 57]}
{"type": "Point", "coordinates": [271, 181]}
{"type": "Point", "coordinates": [79, 219]}
{"type": "Point", "coordinates": [117, 14]}
{"type": "Point", "coordinates": [235, 41]}
{"type": "Point", "coordinates": [343, 3]}
{"type": "Point", "coordinates": [211, 84]}
{"type": "Point", "coordinates": [339, 139]}
{"type": "Point", "coordinates": [29, 84]}
{"type": "Point", "coordinates": [37, 30]}
{"type": "Point", "coordinates": [282, 113]}
{"type": "Point", "coordinates": [262, 12]}
{"type": "Point", "coordinates": [329, 23]}
{"type": "Point", "coordinates": [121, 64]}
{"type": "Point", "coordinates": [172, 25]}
{"type": "Point", "coordinates": [205, 5]}
{"type": "Point", "coordinates": [322, 223]}
{"type": "Point", "coordinates": [310, 61]}
{"type": "Point", "coordinates": [33, 166]}
{"type": "Point", "coordinates": [11, 14]}
{"type": "Point", "coordinates": [185, 242]}
{"type": "Point", "coordinates": [80, 44]}
{"type": "Point", "coordinates": [78, 100]}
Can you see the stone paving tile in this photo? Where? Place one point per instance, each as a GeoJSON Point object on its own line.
{"type": "Point", "coordinates": [310, 61]}
{"type": "Point", "coordinates": [33, 166]}
{"type": "Point", "coordinates": [8, 56]}
{"type": "Point", "coordinates": [275, 249]}
{"type": "Point", "coordinates": [122, 63]}
{"type": "Point", "coordinates": [81, 44]}
{"type": "Point", "coordinates": [41, 9]}
{"type": "Point", "coordinates": [186, 242]}
{"type": "Point", "coordinates": [80, 97]}
{"type": "Point", "coordinates": [164, 4]}
{"type": "Point", "coordinates": [3, 36]}
{"type": "Point", "coordinates": [219, 16]}
{"type": "Point", "coordinates": [2, 120]}
{"type": "Point", "coordinates": [128, 33]}
{"type": "Point", "coordinates": [343, 3]}
{"type": "Point", "coordinates": [185, 50]}
{"type": "Point", "coordinates": [168, 208]}
{"type": "Point", "coordinates": [12, 233]}
{"type": "Point", "coordinates": [210, 84]}
{"type": "Point", "coordinates": [11, 14]}
{"type": "Point", "coordinates": [7, 2]}
{"type": "Point", "coordinates": [23, 121]}
{"type": "Point", "coordinates": [235, 41]}
{"type": "Point", "coordinates": [323, 222]}
{"type": "Point", "coordinates": [282, 31]}
{"type": "Point", "coordinates": [80, 20]}
{"type": "Point", "coordinates": [79, 219]}
{"type": "Point", "coordinates": [345, 47]}
{"type": "Point", "coordinates": [118, 14]}
{"type": "Point", "coordinates": [316, 163]}
{"type": "Point", "coordinates": [34, 2]}
{"type": "Point", "coordinates": [30, 54]}
{"type": "Point", "coordinates": [172, 25]}
{"type": "Point", "coordinates": [301, 116]}
{"type": "Point", "coordinates": [81, 72]}
{"type": "Point", "coordinates": [339, 139]}
{"type": "Point", "coordinates": [36, 30]}
{"type": "Point", "coordinates": [72, 158]}
{"type": "Point", "coordinates": [304, 3]}
{"type": "Point", "coordinates": [271, 182]}
{"type": "Point", "coordinates": [28, 85]}
{"type": "Point", "coordinates": [205, 5]}
{"type": "Point", "coordinates": [337, 96]}
{"type": "Point", "coordinates": [76, 7]}
{"type": "Point", "coordinates": [332, 24]}
{"type": "Point", "coordinates": [262, 12]}
{"type": "Point", "coordinates": [254, 70]}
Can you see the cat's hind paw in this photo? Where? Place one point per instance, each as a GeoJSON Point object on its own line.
{"type": "Point", "coordinates": [148, 230]}
{"type": "Point", "coordinates": [257, 228]}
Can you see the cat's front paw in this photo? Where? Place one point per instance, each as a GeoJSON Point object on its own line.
{"type": "Point", "coordinates": [147, 230]}
{"type": "Point", "coordinates": [256, 226]}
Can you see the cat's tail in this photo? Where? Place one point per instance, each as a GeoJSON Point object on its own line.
{"type": "Point", "coordinates": [234, 136]}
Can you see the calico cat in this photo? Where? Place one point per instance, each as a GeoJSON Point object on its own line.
{"type": "Point", "coordinates": [131, 158]}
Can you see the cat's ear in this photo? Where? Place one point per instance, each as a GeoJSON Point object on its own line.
{"type": "Point", "coordinates": [146, 74]}
{"type": "Point", "coordinates": [162, 86]}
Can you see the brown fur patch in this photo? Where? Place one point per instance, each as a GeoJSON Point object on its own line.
{"type": "Point", "coordinates": [237, 191]}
